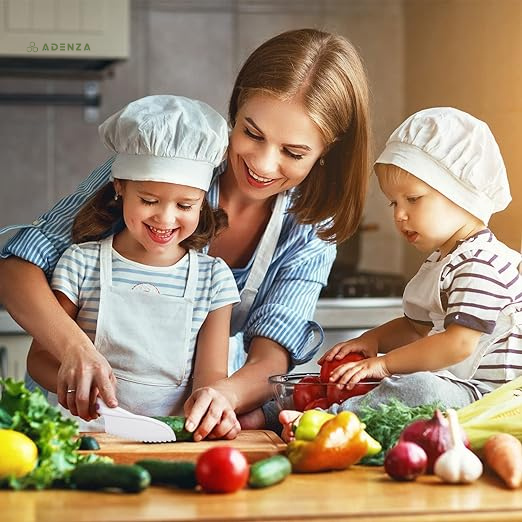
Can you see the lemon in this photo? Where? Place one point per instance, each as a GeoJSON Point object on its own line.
{"type": "Point", "coordinates": [18, 454]}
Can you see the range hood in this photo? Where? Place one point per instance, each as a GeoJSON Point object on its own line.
{"type": "Point", "coordinates": [72, 39]}
{"type": "Point", "coordinates": [76, 68]}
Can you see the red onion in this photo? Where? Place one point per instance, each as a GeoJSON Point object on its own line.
{"type": "Point", "coordinates": [432, 435]}
{"type": "Point", "coordinates": [405, 461]}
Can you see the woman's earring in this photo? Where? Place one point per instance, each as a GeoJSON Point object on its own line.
{"type": "Point", "coordinates": [116, 196]}
{"type": "Point", "coordinates": [321, 162]}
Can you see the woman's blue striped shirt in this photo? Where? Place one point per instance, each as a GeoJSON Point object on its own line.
{"type": "Point", "coordinates": [285, 303]}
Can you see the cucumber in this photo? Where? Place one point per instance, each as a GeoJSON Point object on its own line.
{"type": "Point", "coordinates": [269, 471]}
{"type": "Point", "coordinates": [101, 475]}
{"type": "Point", "coordinates": [88, 443]}
{"type": "Point", "coordinates": [179, 473]}
{"type": "Point", "coordinates": [178, 427]}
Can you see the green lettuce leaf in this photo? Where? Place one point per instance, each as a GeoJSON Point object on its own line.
{"type": "Point", "coordinates": [55, 436]}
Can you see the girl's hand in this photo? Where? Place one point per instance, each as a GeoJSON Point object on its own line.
{"type": "Point", "coordinates": [288, 418]}
{"type": "Point", "coordinates": [364, 344]}
{"type": "Point", "coordinates": [353, 372]}
{"type": "Point", "coordinates": [210, 413]}
{"type": "Point", "coordinates": [87, 374]}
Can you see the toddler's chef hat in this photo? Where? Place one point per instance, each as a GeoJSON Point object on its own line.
{"type": "Point", "coordinates": [454, 153]}
{"type": "Point", "coordinates": [166, 138]}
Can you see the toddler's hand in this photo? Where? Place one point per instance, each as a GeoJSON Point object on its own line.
{"type": "Point", "coordinates": [209, 413]}
{"type": "Point", "coordinates": [362, 344]}
{"type": "Point", "coordinates": [353, 372]}
{"type": "Point", "coordinates": [288, 418]}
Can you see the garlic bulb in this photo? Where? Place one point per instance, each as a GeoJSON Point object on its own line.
{"type": "Point", "coordinates": [458, 465]}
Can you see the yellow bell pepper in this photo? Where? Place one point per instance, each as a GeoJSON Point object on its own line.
{"type": "Point", "coordinates": [341, 442]}
{"type": "Point", "coordinates": [310, 423]}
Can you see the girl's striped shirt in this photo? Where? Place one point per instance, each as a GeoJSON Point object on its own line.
{"type": "Point", "coordinates": [77, 275]}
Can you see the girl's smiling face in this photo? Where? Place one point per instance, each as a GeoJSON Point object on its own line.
{"type": "Point", "coordinates": [425, 218]}
{"type": "Point", "coordinates": [158, 216]}
{"type": "Point", "coordinates": [273, 146]}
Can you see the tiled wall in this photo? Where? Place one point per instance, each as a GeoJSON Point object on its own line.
{"type": "Point", "coordinates": [195, 48]}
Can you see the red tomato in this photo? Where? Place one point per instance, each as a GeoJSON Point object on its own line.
{"type": "Point", "coordinates": [222, 469]}
{"type": "Point", "coordinates": [307, 390]}
{"type": "Point", "coordinates": [318, 403]}
{"type": "Point", "coordinates": [336, 395]}
{"type": "Point", "coordinates": [329, 366]}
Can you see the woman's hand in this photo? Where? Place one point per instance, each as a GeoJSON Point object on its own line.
{"type": "Point", "coordinates": [352, 372]}
{"type": "Point", "coordinates": [365, 344]}
{"type": "Point", "coordinates": [83, 375]}
{"type": "Point", "coordinates": [210, 414]}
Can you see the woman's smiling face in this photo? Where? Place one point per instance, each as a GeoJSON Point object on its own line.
{"type": "Point", "coordinates": [273, 146]}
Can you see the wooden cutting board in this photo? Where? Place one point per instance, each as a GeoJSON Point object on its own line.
{"type": "Point", "coordinates": [255, 444]}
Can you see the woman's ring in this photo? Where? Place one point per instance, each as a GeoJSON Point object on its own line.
{"type": "Point", "coordinates": [71, 391]}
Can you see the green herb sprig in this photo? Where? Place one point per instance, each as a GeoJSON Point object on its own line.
{"type": "Point", "coordinates": [386, 421]}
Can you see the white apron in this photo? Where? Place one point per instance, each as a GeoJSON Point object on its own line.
{"type": "Point", "coordinates": [421, 299]}
{"type": "Point", "coordinates": [145, 338]}
{"type": "Point", "coordinates": [264, 254]}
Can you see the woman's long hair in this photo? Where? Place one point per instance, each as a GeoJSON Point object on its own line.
{"type": "Point", "coordinates": [102, 213]}
{"type": "Point", "coordinates": [326, 72]}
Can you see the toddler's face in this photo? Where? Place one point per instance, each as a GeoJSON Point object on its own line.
{"type": "Point", "coordinates": [424, 217]}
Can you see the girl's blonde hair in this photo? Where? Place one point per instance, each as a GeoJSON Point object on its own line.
{"type": "Point", "coordinates": [101, 214]}
{"type": "Point", "coordinates": [326, 72]}
{"type": "Point", "coordinates": [392, 173]}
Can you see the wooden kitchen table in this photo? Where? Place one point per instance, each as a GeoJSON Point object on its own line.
{"type": "Point", "coordinates": [358, 494]}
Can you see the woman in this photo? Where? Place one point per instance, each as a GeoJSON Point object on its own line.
{"type": "Point", "coordinates": [293, 185]}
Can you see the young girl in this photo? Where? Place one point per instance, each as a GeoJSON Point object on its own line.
{"type": "Point", "coordinates": [158, 310]}
{"type": "Point", "coordinates": [461, 334]}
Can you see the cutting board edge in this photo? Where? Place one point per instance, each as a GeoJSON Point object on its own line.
{"type": "Point", "coordinates": [128, 452]}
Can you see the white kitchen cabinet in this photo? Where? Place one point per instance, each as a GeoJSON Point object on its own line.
{"type": "Point", "coordinates": [13, 354]}
{"type": "Point", "coordinates": [65, 28]}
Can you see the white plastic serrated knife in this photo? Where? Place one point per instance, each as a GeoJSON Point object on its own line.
{"type": "Point", "coordinates": [129, 426]}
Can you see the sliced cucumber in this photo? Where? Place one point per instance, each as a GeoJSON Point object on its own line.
{"type": "Point", "coordinates": [88, 443]}
{"type": "Point", "coordinates": [177, 424]}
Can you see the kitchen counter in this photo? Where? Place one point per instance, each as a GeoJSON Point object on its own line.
{"type": "Point", "coordinates": [359, 494]}
{"type": "Point", "coordinates": [357, 312]}
{"type": "Point", "coordinates": [354, 312]}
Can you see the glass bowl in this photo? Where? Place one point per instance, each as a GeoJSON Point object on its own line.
{"type": "Point", "coordinates": [304, 391]}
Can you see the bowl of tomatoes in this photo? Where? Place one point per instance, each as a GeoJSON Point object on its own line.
{"type": "Point", "coordinates": [306, 391]}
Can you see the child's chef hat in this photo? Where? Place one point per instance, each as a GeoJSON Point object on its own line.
{"type": "Point", "coordinates": [166, 138]}
{"type": "Point", "coordinates": [454, 153]}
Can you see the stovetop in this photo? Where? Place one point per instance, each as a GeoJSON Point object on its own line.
{"type": "Point", "coordinates": [364, 284]}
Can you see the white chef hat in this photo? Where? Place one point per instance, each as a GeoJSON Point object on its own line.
{"type": "Point", "coordinates": [454, 153]}
{"type": "Point", "coordinates": [166, 138]}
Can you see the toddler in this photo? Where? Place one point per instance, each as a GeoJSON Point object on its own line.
{"type": "Point", "coordinates": [461, 334]}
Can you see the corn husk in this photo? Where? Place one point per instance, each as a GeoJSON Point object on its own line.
{"type": "Point", "coordinates": [497, 412]}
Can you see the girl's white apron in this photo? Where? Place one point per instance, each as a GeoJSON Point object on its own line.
{"type": "Point", "coordinates": [145, 338]}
